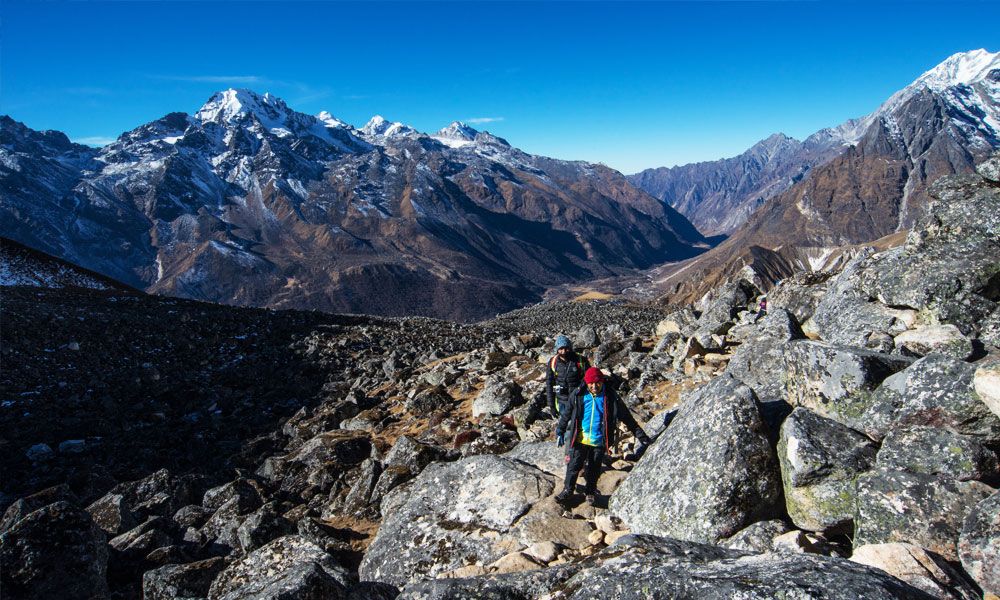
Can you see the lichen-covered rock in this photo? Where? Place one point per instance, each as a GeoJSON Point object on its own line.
{"type": "Point", "coordinates": [498, 397]}
{"type": "Point", "coordinates": [989, 169]}
{"type": "Point", "coordinates": [846, 315]}
{"type": "Point", "coordinates": [683, 322]}
{"type": "Point", "coordinates": [948, 267]}
{"type": "Point", "coordinates": [650, 567]}
{"type": "Point", "coordinates": [936, 391]}
{"type": "Point", "coordinates": [185, 581]}
{"type": "Point", "coordinates": [112, 514]}
{"type": "Point", "coordinates": [777, 324]}
{"type": "Point", "coordinates": [760, 363]}
{"type": "Point", "coordinates": [836, 381]}
{"type": "Point", "coordinates": [452, 515]}
{"type": "Point", "coordinates": [757, 538]}
{"type": "Point", "coordinates": [917, 567]}
{"type": "Point", "coordinates": [22, 507]}
{"type": "Point", "coordinates": [56, 551]}
{"type": "Point", "coordinates": [940, 339]}
{"type": "Point", "coordinates": [721, 305]}
{"type": "Point", "coordinates": [710, 474]}
{"type": "Point", "coordinates": [412, 455]}
{"type": "Point", "coordinates": [260, 527]}
{"type": "Point", "coordinates": [800, 294]}
{"type": "Point", "coordinates": [979, 544]}
{"type": "Point", "coordinates": [820, 460]}
{"type": "Point", "coordinates": [916, 508]}
{"type": "Point", "coordinates": [545, 456]}
{"type": "Point", "coordinates": [316, 463]}
{"type": "Point", "coordinates": [289, 567]}
{"type": "Point", "coordinates": [937, 451]}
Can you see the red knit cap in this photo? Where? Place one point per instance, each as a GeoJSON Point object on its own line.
{"type": "Point", "coordinates": [593, 375]}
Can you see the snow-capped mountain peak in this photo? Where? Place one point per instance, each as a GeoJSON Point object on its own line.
{"type": "Point", "coordinates": [457, 131]}
{"type": "Point", "coordinates": [231, 104]}
{"type": "Point", "coordinates": [329, 120]}
{"type": "Point", "coordinates": [379, 126]}
{"type": "Point", "coordinates": [960, 68]}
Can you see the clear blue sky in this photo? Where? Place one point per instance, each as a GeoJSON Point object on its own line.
{"type": "Point", "coordinates": [633, 85]}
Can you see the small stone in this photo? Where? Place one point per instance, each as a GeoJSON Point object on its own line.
{"type": "Point", "coordinates": [607, 523]}
{"type": "Point", "coordinates": [614, 536]}
{"type": "Point", "coordinates": [72, 446]}
{"type": "Point", "coordinates": [595, 537]}
{"type": "Point", "coordinates": [39, 453]}
{"type": "Point", "coordinates": [794, 541]}
{"type": "Point", "coordinates": [514, 562]}
{"type": "Point", "coordinates": [545, 552]}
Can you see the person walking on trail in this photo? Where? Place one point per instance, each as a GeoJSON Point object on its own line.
{"type": "Point", "coordinates": [565, 374]}
{"type": "Point", "coordinates": [761, 309]}
{"type": "Point", "coordinates": [587, 427]}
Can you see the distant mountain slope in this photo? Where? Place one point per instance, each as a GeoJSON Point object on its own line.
{"type": "Point", "coordinates": [22, 266]}
{"type": "Point", "coordinates": [250, 202]}
{"type": "Point", "coordinates": [959, 98]}
{"type": "Point", "coordinates": [943, 123]}
{"type": "Point", "coordinates": [719, 196]}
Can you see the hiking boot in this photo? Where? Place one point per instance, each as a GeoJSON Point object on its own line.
{"type": "Point", "coordinates": [564, 497]}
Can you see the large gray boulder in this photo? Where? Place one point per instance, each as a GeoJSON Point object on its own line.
{"type": "Point", "coordinates": [846, 314]}
{"type": "Point", "coordinates": [452, 515]}
{"type": "Point", "coordinates": [497, 397]}
{"type": "Point", "coordinates": [720, 306]}
{"type": "Point", "coordinates": [639, 567]}
{"type": "Point", "coordinates": [934, 339]}
{"type": "Point", "coordinates": [979, 544]}
{"type": "Point", "coordinates": [936, 391]}
{"type": "Point", "coordinates": [190, 580]}
{"type": "Point", "coordinates": [312, 467]}
{"type": "Point", "coordinates": [948, 267]}
{"type": "Point", "coordinates": [56, 551]}
{"type": "Point", "coordinates": [836, 381]}
{"type": "Point", "coordinates": [288, 568]}
{"type": "Point", "coordinates": [938, 451]}
{"type": "Point", "coordinates": [759, 361]}
{"type": "Point", "coordinates": [820, 461]}
{"type": "Point", "coordinates": [919, 568]}
{"type": "Point", "coordinates": [916, 508]}
{"type": "Point", "coordinates": [710, 474]}
{"type": "Point", "coordinates": [800, 294]}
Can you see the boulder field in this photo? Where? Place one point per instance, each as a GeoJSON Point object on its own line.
{"type": "Point", "coordinates": [844, 445]}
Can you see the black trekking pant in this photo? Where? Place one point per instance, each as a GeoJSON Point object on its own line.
{"type": "Point", "coordinates": [581, 456]}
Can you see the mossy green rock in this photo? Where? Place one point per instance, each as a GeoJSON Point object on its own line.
{"type": "Point", "coordinates": [820, 460]}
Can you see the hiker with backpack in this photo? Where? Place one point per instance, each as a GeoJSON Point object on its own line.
{"type": "Point", "coordinates": [565, 374]}
{"type": "Point", "coordinates": [587, 427]}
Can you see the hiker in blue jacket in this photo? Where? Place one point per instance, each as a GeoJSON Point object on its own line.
{"type": "Point", "coordinates": [565, 374]}
{"type": "Point", "coordinates": [588, 427]}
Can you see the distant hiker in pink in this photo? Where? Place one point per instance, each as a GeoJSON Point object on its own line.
{"type": "Point", "coordinates": [587, 427]}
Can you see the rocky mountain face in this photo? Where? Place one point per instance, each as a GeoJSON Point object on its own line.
{"type": "Point", "coordinates": [853, 183]}
{"type": "Point", "coordinates": [844, 445]}
{"type": "Point", "coordinates": [944, 123]}
{"type": "Point", "coordinates": [249, 202]}
{"type": "Point", "coordinates": [719, 196]}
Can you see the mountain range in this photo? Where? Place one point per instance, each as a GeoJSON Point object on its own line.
{"type": "Point", "coordinates": [874, 188]}
{"type": "Point", "coordinates": [249, 202]}
{"type": "Point", "coordinates": [940, 124]}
